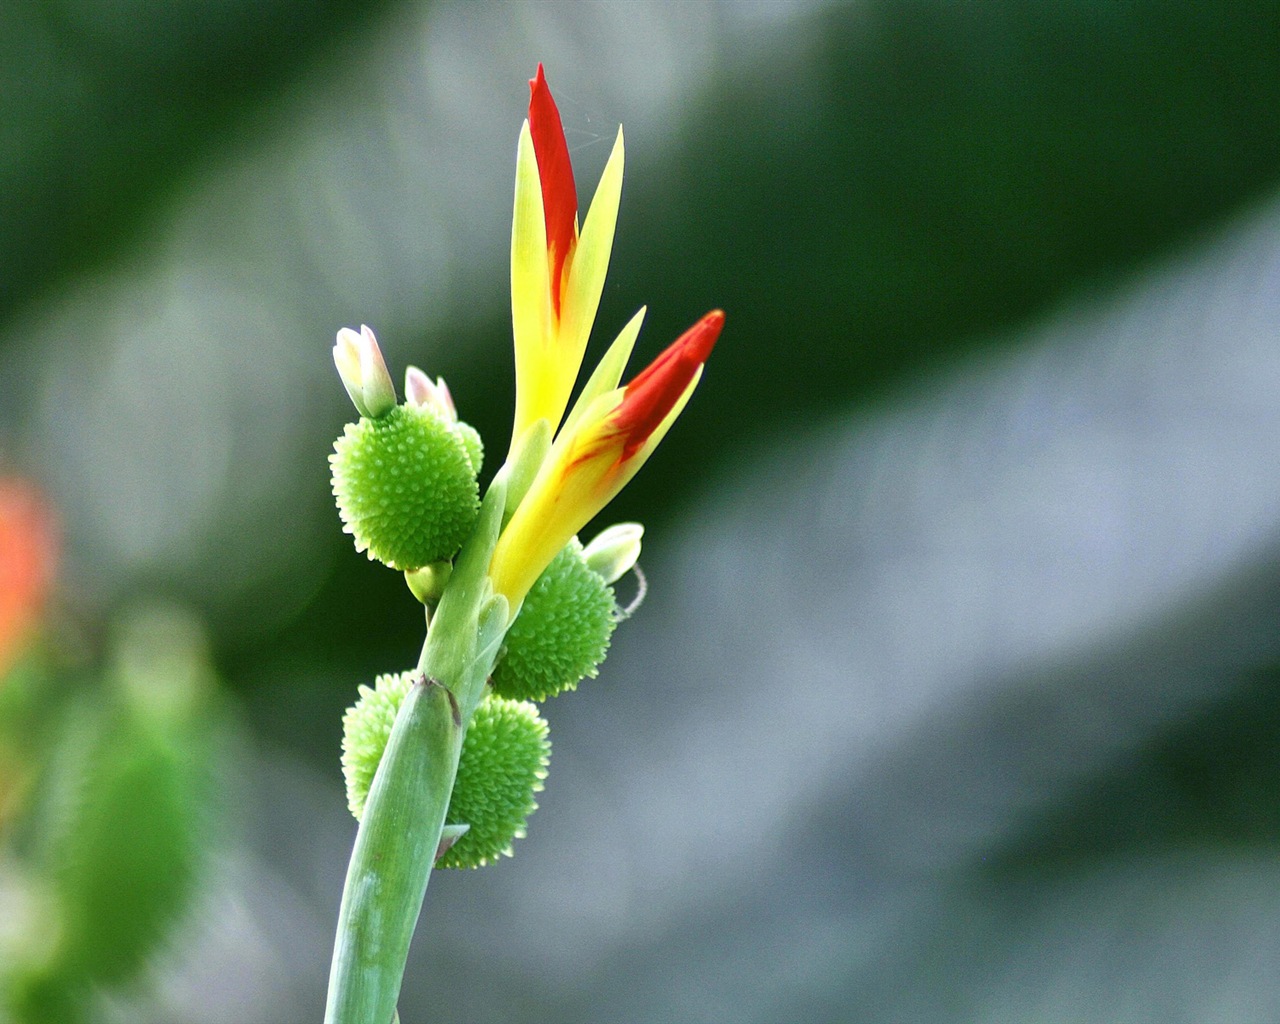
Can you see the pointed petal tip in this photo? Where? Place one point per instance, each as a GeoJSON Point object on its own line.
{"type": "Point", "coordinates": [701, 338]}
{"type": "Point", "coordinates": [555, 174]}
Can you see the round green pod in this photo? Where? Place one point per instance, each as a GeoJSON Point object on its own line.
{"type": "Point", "coordinates": [405, 487]}
{"type": "Point", "coordinates": [504, 761]}
{"type": "Point", "coordinates": [365, 729]}
{"type": "Point", "coordinates": [472, 441]}
{"type": "Point", "coordinates": [502, 765]}
{"type": "Point", "coordinates": [562, 632]}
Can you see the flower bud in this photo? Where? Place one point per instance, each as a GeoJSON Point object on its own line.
{"type": "Point", "coordinates": [427, 584]}
{"type": "Point", "coordinates": [615, 551]}
{"type": "Point", "coordinates": [419, 390]}
{"type": "Point", "coordinates": [405, 487]}
{"type": "Point", "coordinates": [562, 632]}
{"type": "Point", "coordinates": [364, 372]}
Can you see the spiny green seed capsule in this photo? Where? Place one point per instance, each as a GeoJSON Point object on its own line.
{"type": "Point", "coordinates": [365, 729]}
{"type": "Point", "coordinates": [562, 632]}
{"type": "Point", "coordinates": [406, 487]}
{"type": "Point", "coordinates": [472, 442]}
{"type": "Point", "coordinates": [503, 762]}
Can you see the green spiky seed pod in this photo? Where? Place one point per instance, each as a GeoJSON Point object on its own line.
{"type": "Point", "coordinates": [562, 632]}
{"type": "Point", "coordinates": [365, 728]}
{"type": "Point", "coordinates": [472, 442]}
{"type": "Point", "coordinates": [504, 760]}
{"type": "Point", "coordinates": [405, 487]}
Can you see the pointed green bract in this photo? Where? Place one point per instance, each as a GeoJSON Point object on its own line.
{"type": "Point", "coordinates": [395, 848]}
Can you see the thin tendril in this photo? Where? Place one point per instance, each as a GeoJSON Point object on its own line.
{"type": "Point", "coordinates": [642, 588]}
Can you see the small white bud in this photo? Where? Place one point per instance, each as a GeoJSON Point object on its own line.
{"type": "Point", "coordinates": [614, 551]}
{"type": "Point", "coordinates": [364, 372]}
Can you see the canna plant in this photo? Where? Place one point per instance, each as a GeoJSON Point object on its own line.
{"type": "Point", "coordinates": [443, 761]}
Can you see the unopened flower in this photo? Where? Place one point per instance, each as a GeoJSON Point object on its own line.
{"type": "Point", "coordinates": [614, 551]}
{"type": "Point", "coordinates": [364, 372]}
{"type": "Point", "coordinates": [422, 391]}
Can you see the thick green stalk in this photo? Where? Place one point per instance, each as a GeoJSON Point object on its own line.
{"type": "Point", "coordinates": [394, 851]}
{"type": "Point", "coordinates": [400, 831]}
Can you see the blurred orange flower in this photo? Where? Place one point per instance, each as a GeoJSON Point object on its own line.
{"type": "Point", "coordinates": [28, 556]}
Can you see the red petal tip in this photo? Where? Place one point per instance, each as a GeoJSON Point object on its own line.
{"type": "Point", "coordinates": [701, 338]}
{"type": "Point", "coordinates": [559, 197]}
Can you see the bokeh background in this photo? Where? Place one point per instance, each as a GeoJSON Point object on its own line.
{"type": "Point", "coordinates": [957, 692]}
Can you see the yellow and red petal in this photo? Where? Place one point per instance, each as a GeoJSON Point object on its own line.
{"type": "Point", "coordinates": [604, 378]}
{"type": "Point", "coordinates": [650, 398]}
{"type": "Point", "coordinates": [532, 323]}
{"type": "Point", "coordinates": [555, 171]}
{"type": "Point", "coordinates": [595, 456]}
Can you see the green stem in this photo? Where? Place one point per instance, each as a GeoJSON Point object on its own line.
{"type": "Point", "coordinates": [394, 851]}
{"type": "Point", "coordinates": [404, 815]}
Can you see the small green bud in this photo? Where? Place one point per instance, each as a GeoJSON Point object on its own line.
{"type": "Point", "coordinates": [405, 487]}
{"type": "Point", "coordinates": [502, 765]}
{"type": "Point", "coordinates": [615, 551]}
{"type": "Point", "coordinates": [504, 760]}
{"type": "Point", "coordinates": [427, 584]}
{"type": "Point", "coordinates": [562, 632]}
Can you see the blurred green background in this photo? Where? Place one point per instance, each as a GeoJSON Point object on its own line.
{"type": "Point", "coordinates": [956, 693]}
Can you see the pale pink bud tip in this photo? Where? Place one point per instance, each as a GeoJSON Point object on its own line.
{"type": "Point", "coordinates": [421, 391]}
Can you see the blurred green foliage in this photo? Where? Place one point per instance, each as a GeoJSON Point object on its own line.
{"type": "Point", "coordinates": [121, 776]}
{"type": "Point", "coordinates": [109, 106]}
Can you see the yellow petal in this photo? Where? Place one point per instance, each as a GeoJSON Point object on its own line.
{"type": "Point", "coordinates": [582, 292]}
{"type": "Point", "coordinates": [609, 371]}
{"type": "Point", "coordinates": [531, 317]}
{"type": "Point", "coordinates": [568, 491]}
